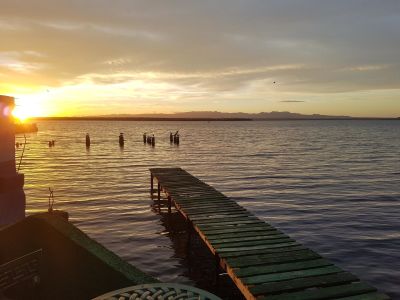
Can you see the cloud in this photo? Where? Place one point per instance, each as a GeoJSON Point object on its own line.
{"type": "Point", "coordinates": [292, 101]}
{"type": "Point", "coordinates": [307, 46]}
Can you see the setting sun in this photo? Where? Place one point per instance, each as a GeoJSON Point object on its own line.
{"type": "Point", "coordinates": [27, 108]}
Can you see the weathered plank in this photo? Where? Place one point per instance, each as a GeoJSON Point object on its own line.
{"type": "Point", "coordinates": [368, 296]}
{"type": "Point", "coordinates": [338, 291]}
{"type": "Point", "coordinates": [227, 221]}
{"type": "Point", "coordinates": [272, 258]}
{"type": "Point", "coordinates": [238, 235]}
{"type": "Point", "coordinates": [223, 250]}
{"type": "Point", "coordinates": [217, 216]}
{"type": "Point", "coordinates": [246, 238]}
{"type": "Point", "coordinates": [302, 283]}
{"type": "Point", "coordinates": [253, 243]}
{"type": "Point", "coordinates": [285, 267]}
{"type": "Point", "coordinates": [276, 249]}
{"type": "Point", "coordinates": [290, 275]}
{"type": "Point", "coordinates": [237, 229]}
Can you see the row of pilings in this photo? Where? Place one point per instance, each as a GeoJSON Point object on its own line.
{"type": "Point", "coordinates": [149, 139]}
{"type": "Point", "coordinates": [174, 138]}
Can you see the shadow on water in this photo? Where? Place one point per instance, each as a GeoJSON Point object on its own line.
{"type": "Point", "coordinates": [196, 259]}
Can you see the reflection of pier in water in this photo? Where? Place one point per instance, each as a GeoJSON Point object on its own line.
{"type": "Point", "coordinates": [197, 261]}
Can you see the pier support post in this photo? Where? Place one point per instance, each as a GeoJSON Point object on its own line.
{"type": "Point", "coordinates": [169, 204]}
{"type": "Point", "coordinates": [151, 184]}
{"type": "Point", "coordinates": [216, 272]}
{"type": "Point", "coordinates": [159, 191]}
{"type": "Point", "coordinates": [189, 237]}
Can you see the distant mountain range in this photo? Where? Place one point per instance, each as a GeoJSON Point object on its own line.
{"type": "Point", "coordinates": [211, 115]}
{"type": "Point", "coordinates": [275, 115]}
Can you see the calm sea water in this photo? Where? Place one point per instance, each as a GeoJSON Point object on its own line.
{"type": "Point", "coordinates": [332, 185]}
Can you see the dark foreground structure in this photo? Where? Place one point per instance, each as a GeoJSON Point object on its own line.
{"type": "Point", "coordinates": [263, 262]}
{"type": "Point", "coordinates": [46, 257]}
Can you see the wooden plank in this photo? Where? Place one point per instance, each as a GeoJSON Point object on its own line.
{"type": "Point", "coordinates": [191, 192]}
{"type": "Point", "coordinates": [259, 247]}
{"type": "Point", "coordinates": [197, 204]}
{"type": "Point", "coordinates": [246, 238]}
{"type": "Point", "coordinates": [285, 267]}
{"type": "Point", "coordinates": [197, 207]}
{"type": "Point", "coordinates": [290, 275]}
{"type": "Point", "coordinates": [217, 216]}
{"type": "Point", "coordinates": [257, 228]}
{"type": "Point", "coordinates": [213, 209]}
{"type": "Point", "coordinates": [229, 225]}
{"type": "Point", "coordinates": [207, 211]}
{"type": "Point", "coordinates": [227, 221]}
{"type": "Point", "coordinates": [338, 291]}
{"type": "Point", "coordinates": [203, 201]}
{"type": "Point", "coordinates": [280, 249]}
{"type": "Point", "coordinates": [204, 198]}
{"type": "Point", "coordinates": [253, 243]}
{"type": "Point", "coordinates": [232, 224]}
{"type": "Point", "coordinates": [368, 296]}
{"type": "Point", "coordinates": [302, 283]}
{"type": "Point", "coordinates": [271, 231]}
{"type": "Point", "coordinates": [272, 258]}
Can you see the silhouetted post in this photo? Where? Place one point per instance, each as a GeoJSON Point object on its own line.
{"type": "Point", "coordinates": [171, 137]}
{"type": "Point", "coordinates": [151, 184]}
{"type": "Point", "coordinates": [153, 141]}
{"type": "Point", "coordinates": [121, 140]}
{"type": "Point", "coordinates": [12, 196]}
{"type": "Point", "coordinates": [177, 139]}
{"type": "Point", "coordinates": [159, 191]}
{"type": "Point", "coordinates": [189, 237]}
{"type": "Point", "coordinates": [169, 204]}
{"type": "Point", "coordinates": [144, 138]}
{"type": "Point", "coordinates": [87, 140]}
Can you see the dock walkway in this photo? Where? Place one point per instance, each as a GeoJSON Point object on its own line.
{"type": "Point", "coordinates": [263, 262]}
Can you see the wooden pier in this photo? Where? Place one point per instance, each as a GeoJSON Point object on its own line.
{"type": "Point", "coordinates": [263, 262]}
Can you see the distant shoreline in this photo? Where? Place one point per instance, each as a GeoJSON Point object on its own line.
{"type": "Point", "coordinates": [135, 119]}
{"type": "Point", "coordinates": [198, 119]}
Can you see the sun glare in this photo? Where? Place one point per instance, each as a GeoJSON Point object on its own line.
{"type": "Point", "coordinates": [26, 109]}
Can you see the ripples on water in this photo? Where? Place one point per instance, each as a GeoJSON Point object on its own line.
{"type": "Point", "coordinates": [332, 185]}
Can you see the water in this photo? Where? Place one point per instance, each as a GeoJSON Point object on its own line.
{"type": "Point", "coordinates": [332, 185]}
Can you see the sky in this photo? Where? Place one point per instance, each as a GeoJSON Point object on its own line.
{"type": "Point", "coordinates": [98, 57]}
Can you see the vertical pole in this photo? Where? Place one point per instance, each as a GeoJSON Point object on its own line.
{"type": "Point", "coordinates": [216, 272]}
{"type": "Point", "coordinates": [169, 204]}
{"type": "Point", "coordinates": [151, 184]}
{"type": "Point", "coordinates": [159, 191]}
{"type": "Point", "coordinates": [188, 243]}
{"type": "Point", "coordinates": [189, 236]}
